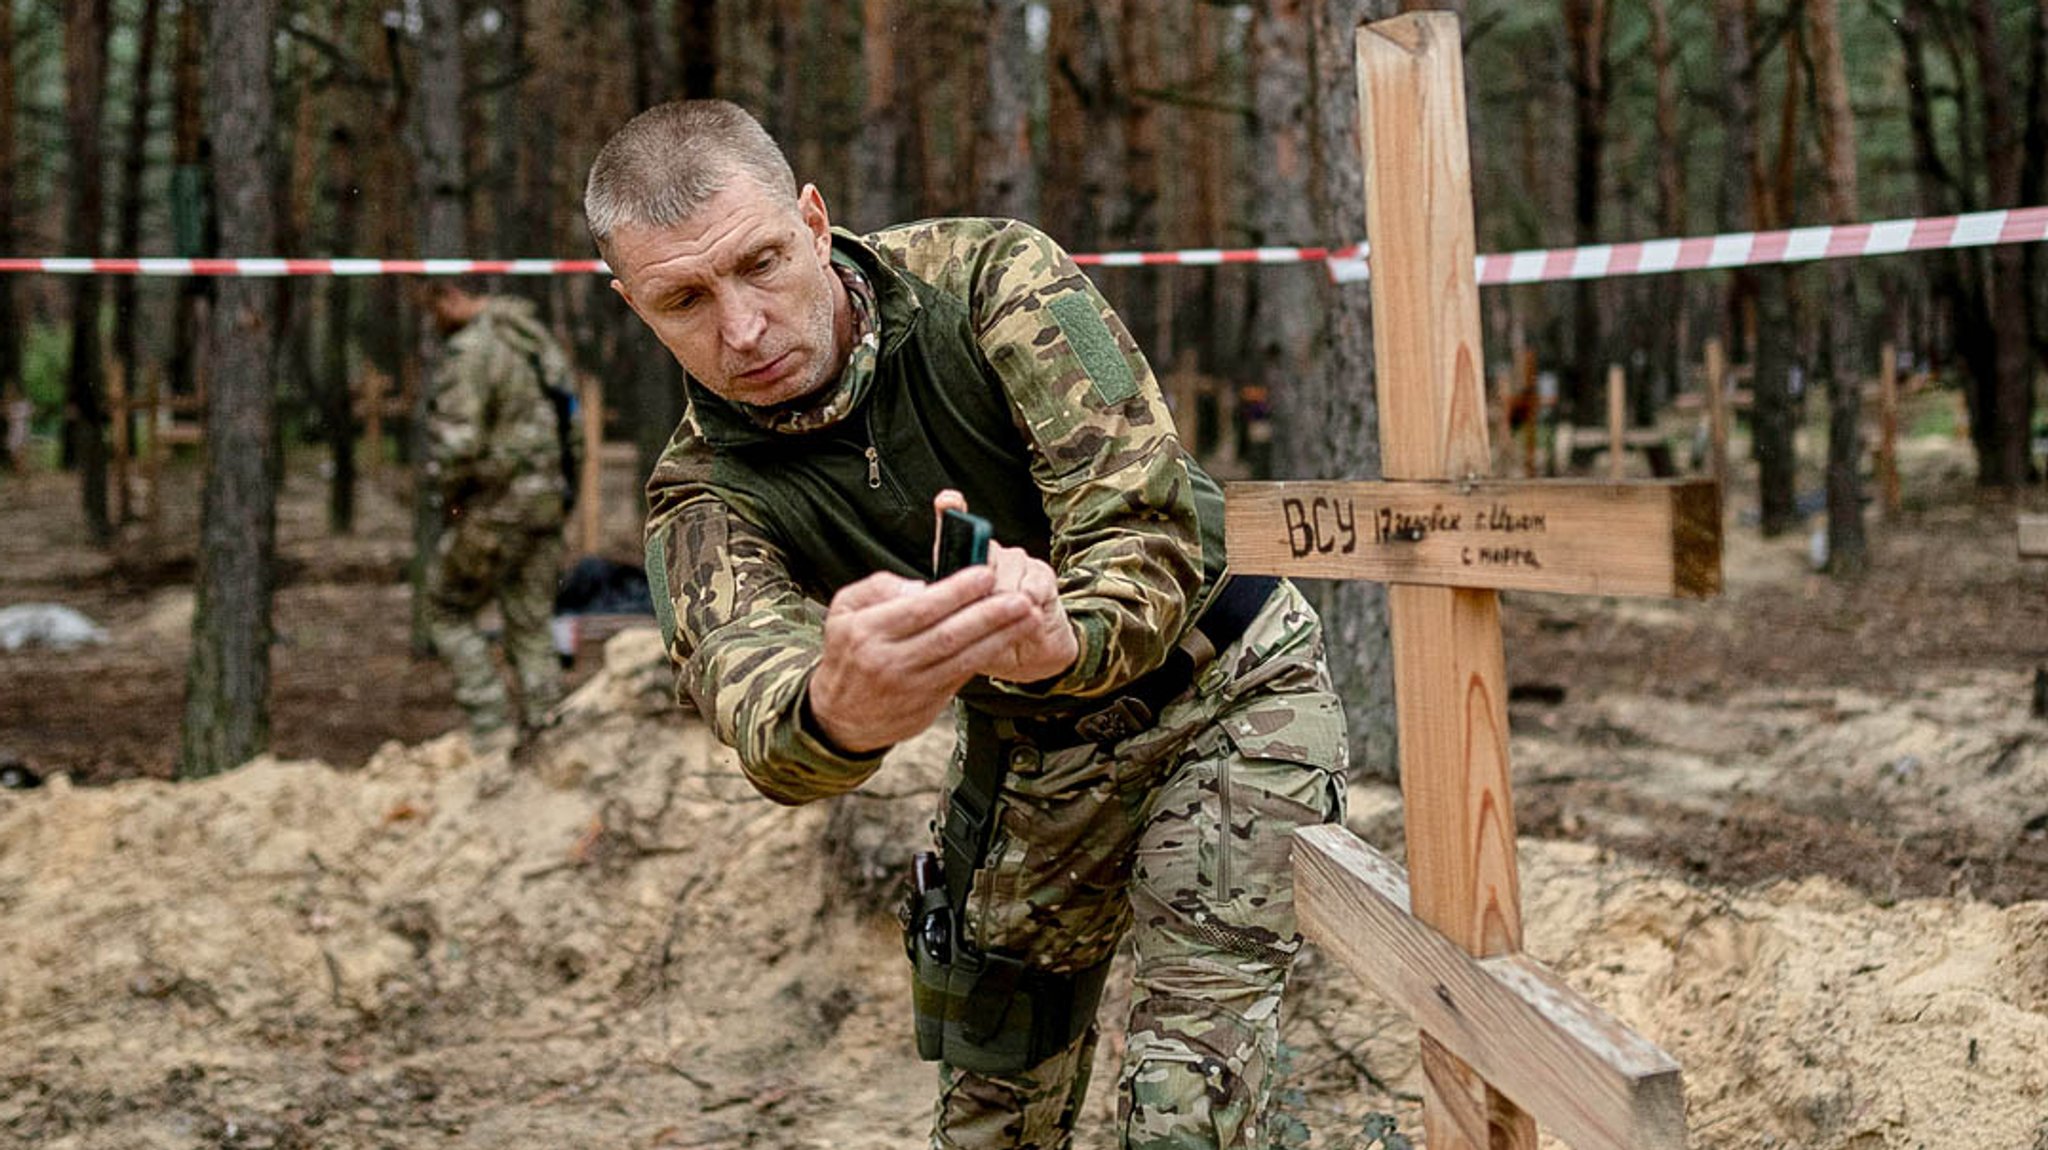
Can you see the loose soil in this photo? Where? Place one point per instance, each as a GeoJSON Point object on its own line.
{"type": "Point", "coordinates": [1797, 834]}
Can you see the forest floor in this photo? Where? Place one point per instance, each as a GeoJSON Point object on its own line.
{"type": "Point", "coordinates": [1797, 834]}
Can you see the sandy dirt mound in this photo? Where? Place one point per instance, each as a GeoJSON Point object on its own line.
{"type": "Point", "coordinates": [614, 942]}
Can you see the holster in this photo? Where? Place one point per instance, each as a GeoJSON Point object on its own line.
{"type": "Point", "coordinates": [988, 1013]}
{"type": "Point", "coordinates": [984, 1011]}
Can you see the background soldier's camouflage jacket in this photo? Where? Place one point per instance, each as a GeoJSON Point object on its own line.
{"type": "Point", "coordinates": [491, 438]}
{"type": "Point", "coordinates": [1105, 463]}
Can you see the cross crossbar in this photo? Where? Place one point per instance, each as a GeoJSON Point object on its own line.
{"type": "Point", "coordinates": [1584, 538]}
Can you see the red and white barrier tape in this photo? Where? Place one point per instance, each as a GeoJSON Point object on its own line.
{"type": "Point", "coordinates": [1346, 264]}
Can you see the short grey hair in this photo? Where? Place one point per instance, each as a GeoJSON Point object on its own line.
{"type": "Point", "coordinates": [668, 160]}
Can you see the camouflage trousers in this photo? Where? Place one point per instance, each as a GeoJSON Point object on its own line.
{"type": "Point", "coordinates": [476, 563]}
{"type": "Point", "coordinates": [1180, 837]}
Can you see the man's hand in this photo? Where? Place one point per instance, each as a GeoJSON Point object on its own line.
{"type": "Point", "coordinates": [1048, 648]}
{"type": "Point", "coordinates": [896, 651]}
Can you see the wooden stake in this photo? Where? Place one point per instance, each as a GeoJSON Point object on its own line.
{"type": "Point", "coordinates": [1888, 427]}
{"type": "Point", "coordinates": [373, 418]}
{"type": "Point", "coordinates": [124, 447]}
{"type": "Point", "coordinates": [1451, 693]}
{"type": "Point", "coordinates": [1617, 421]}
{"type": "Point", "coordinates": [1717, 414]}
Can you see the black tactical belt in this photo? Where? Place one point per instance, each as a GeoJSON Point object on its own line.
{"type": "Point", "coordinates": [1138, 705]}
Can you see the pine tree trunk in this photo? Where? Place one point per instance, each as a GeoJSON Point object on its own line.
{"type": "Point", "coordinates": [227, 685]}
{"type": "Point", "coordinates": [337, 405]}
{"type": "Point", "coordinates": [657, 393]}
{"type": "Point", "coordinates": [189, 199]}
{"type": "Point", "coordinates": [437, 134]}
{"type": "Point", "coordinates": [1007, 179]}
{"type": "Point", "coordinates": [696, 28]}
{"type": "Point", "coordinates": [1848, 547]}
{"type": "Point", "coordinates": [1138, 227]}
{"type": "Point", "coordinates": [880, 174]}
{"type": "Point", "coordinates": [1337, 420]}
{"type": "Point", "coordinates": [1284, 304]}
{"type": "Point", "coordinates": [1669, 293]}
{"type": "Point", "coordinates": [2008, 417]}
{"type": "Point", "coordinates": [128, 223]}
{"type": "Point", "coordinates": [10, 178]}
{"type": "Point", "coordinates": [85, 68]}
{"type": "Point", "coordinates": [1586, 26]}
{"type": "Point", "coordinates": [1774, 412]}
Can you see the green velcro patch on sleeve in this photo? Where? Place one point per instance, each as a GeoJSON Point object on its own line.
{"type": "Point", "coordinates": [657, 588]}
{"type": "Point", "coordinates": [1091, 340]}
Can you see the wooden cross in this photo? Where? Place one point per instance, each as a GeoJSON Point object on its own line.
{"type": "Point", "coordinates": [1504, 1041]}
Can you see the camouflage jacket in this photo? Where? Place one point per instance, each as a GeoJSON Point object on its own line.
{"type": "Point", "coordinates": [998, 369]}
{"type": "Point", "coordinates": [492, 448]}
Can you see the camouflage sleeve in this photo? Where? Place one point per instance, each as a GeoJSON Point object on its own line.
{"type": "Point", "coordinates": [743, 637]}
{"type": "Point", "coordinates": [457, 412]}
{"type": "Point", "coordinates": [1109, 468]}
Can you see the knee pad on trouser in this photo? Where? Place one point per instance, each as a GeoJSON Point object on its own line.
{"type": "Point", "coordinates": [1180, 1089]}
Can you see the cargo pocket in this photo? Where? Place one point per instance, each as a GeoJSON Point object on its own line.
{"type": "Point", "coordinates": [1287, 772]}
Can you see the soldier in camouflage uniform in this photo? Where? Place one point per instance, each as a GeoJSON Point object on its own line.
{"type": "Point", "coordinates": [841, 388]}
{"type": "Point", "coordinates": [494, 457]}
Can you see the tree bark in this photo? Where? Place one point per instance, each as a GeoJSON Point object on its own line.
{"type": "Point", "coordinates": [1337, 420]}
{"type": "Point", "coordinates": [1586, 23]}
{"type": "Point", "coordinates": [1284, 302]}
{"type": "Point", "coordinates": [696, 28]}
{"type": "Point", "coordinates": [2006, 416]}
{"type": "Point", "coordinates": [128, 217]}
{"type": "Point", "coordinates": [338, 408]}
{"type": "Point", "coordinates": [657, 393]}
{"type": "Point", "coordinates": [1848, 547]}
{"type": "Point", "coordinates": [437, 134]}
{"type": "Point", "coordinates": [10, 178]}
{"type": "Point", "coordinates": [1670, 352]}
{"type": "Point", "coordinates": [85, 68]}
{"type": "Point", "coordinates": [880, 172]}
{"type": "Point", "coordinates": [227, 684]}
{"type": "Point", "coordinates": [1007, 178]}
{"type": "Point", "coordinates": [1774, 410]}
{"type": "Point", "coordinates": [189, 199]}
{"type": "Point", "coordinates": [1138, 226]}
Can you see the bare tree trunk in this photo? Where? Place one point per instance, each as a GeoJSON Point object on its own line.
{"type": "Point", "coordinates": [10, 178]}
{"type": "Point", "coordinates": [881, 123]}
{"type": "Point", "coordinates": [85, 74]}
{"type": "Point", "coordinates": [1670, 353]}
{"type": "Point", "coordinates": [128, 223]}
{"type": "Point", "coordinates": [1007, 176]}
{"type": "Point", "coordinates": [1848, 548]}
{"type": "Point", "coordinates": [657, 392]}
{"type": "Point", "coordinates": [696, 26]}
{"type": "Point", "coordinates": [437, 134]}
{"type": "Point", "coordinates": [337, 407]}
{"type": "Point", "coordinates": [227, 685]}
{"type": "Point", "coordinates": [2034, 173]}
{"type": "Point", "coordinates": [1586, 25]}
{"type": "Point", "coordinates": [1337, 419]}
{"type": "Point", "coordinates": [1738, 157]}
{"type": "Point", "coordinates": [1087, 127]}
{"type": "Point", "coordinates": [190, 203]}
{"type": "Point", "coordinates": [1284, 304]}
{"type": "Point", "coordinates": [1139, 227]}
{"type": "Point", "coordinates": [1774, 412]}
{"type": "Point", "coordinates": [2007, 417]}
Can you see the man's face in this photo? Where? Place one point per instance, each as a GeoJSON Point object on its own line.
{"type": "Point", "coordinates": [742, 293]}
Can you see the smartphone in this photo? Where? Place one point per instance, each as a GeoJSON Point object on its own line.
{"type": "Point", "coordinates": [963, 542]}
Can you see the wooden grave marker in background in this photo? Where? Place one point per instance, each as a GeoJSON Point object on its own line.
{"type": "Point", "coordinates": [1505, 1043]}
